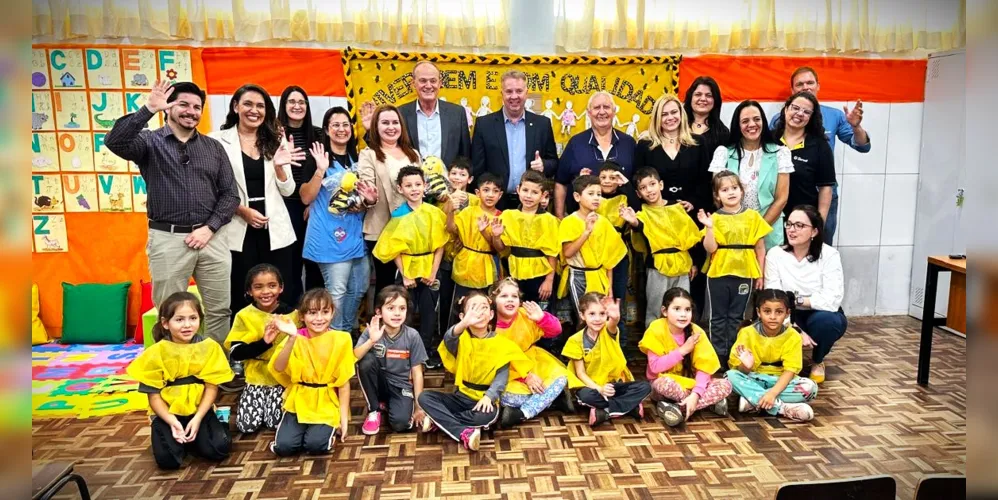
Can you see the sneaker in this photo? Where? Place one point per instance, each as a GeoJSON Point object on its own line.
{"type": "Point", "coordinates": [817, 373]}
{"type": "Point", "coordinates": [433, 363]}
{"type": "Point", "coordinates": [510, 417]}
{"type": "Point", "coordinates": [428, 425]}
{"type": "Point", "coordinates": [800, 412]}
{"type": "Point", "coordinates": [373, 423]}
{"type": "Point", "coordinates": [638, 412]}
{"type": "Point", "coordinates": [563, 403]}
{"type": "Point", "coordinates": [471, 438]}
{"type": "Point", "coordinates": [745, 407]}
{"type": "Point", "coordinates": [598, 417]}
{"type": "Point", "coordinates": [670, 413]}
{"type": "Point", "coordinates": [720, 408]}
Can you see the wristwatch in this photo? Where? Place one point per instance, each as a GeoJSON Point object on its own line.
{"type": "Point", "coordinates": [800, 300]}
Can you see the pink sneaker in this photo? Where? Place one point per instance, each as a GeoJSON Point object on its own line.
{"type": "Point", "coordinates": [471, 438]}
{"type": "Point", "coordinates": [373, 423]}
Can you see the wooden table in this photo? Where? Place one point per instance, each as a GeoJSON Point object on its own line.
{"type": "Point", "coordinates": [956, 315]}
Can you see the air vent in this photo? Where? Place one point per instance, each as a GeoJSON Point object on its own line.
{"type": "Point", "coordinates": [918, 296]}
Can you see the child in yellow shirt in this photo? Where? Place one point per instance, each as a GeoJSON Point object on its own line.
{"type": "Point", "coordinates": [459, 176]}
{"type": "Point", "coordinates": [414, 239]}
{"type": "Point", "coordinates": [590, 246]}
{"type": "Point", "coordinates": [733, 236]}
{"type": "Point", "coordinates": [766, 360]}
{"type": "Point", "coordinates": [476, 264]}
{"type": "Point", "coordinates": [598, 364]}
{"type": "Point", "coordinates": [527, 237]}
{"type": "Point", "coordinates": [670, 232]}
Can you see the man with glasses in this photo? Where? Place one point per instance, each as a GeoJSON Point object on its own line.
{"type": "Point", "coordinates": [191, 195]}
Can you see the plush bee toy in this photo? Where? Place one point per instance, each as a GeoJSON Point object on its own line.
{"type": "Point", "coordinates": [437, 185]}
{"type": "Point", "coordinates": [345, 197]}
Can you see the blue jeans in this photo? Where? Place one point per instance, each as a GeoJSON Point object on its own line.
{"type": "Point", "coordinates": [833, 216]}
{"type": "Point", "coordinates": [825, 327]}
{"type": "Point", "coordinates": [347, 282]}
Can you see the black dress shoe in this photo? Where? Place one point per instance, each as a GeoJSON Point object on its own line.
{"type": "Point", "coordinates": [510, 417]}
{"type": "Point", "coordinates": [563, 403]}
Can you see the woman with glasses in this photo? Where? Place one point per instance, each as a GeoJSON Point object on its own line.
{"type": "Point", "coordinates": [799, 128]}
{"type": "Point", "coordinates": [261, 231]}
{"type": "Point", "coordinates": [762, 164]}
{"type": "Point", "coordinates": [587, 150]}
{"type": "Point", "coordinates": [294, 113]}
{"type": "Point", "coordinates": [812, 271]}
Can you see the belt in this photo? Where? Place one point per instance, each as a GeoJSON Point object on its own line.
{"type": "Point", "coordinates": [310, 384]}
{"type": "Point", "coordinates": [188, 380]}
{"type": "Point", "coordinates": [478, 251]}
{"type": "Point", "coordinates": [776, 363]}
{"type": "Point", "coordinates": [525, 253]}
{"type": "Point", "coordinates": [585, 269]}
{"type": "Point", "coordinates": [261, 198]}
{"type": "Point", "coordinates": [737, 247]}
{"type": "Point", "coordinates": [666, 250]}
{"type": "Point", "coordinates": [417, 254]}
{"type": "Point", "coordinates": [173, 228]}
{"type": "Point", "coordinates": [477, 387]}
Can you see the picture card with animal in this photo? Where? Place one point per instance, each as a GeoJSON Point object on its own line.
{"type": "Point", "coordinates": [76, 151]}
{"type": "Point", "coordinates": [40, 69]}
{"type": "Point", "coordinates": [104, 159]}
{"type": "Point", "coordinates": [103, 68]}
{"type": "Point", "coordinates": [105, 109]}
{"type": "Point", "coordinates": [134, 101]}
{"type": "Point", "coordinates": [114, 192]}
{"type": "Point", "coordinates": [80, 191]}
{"type": "Point", "coordinates": [50, 233]}
{"type": "Point", "coordinates": [44, 152]}
{"type": "Point", "coordinates": [139, 193]}
{"type": "Point", "coordinates": [139, 67]}
{"type": "Point", "coordinates": [71, 110]}
{"type": "Point", "coordinates": [46, 193]}
{"type": "Point", "coordinates": [66, 68]}
{"type": "Point", "coordinates": [42, 113]}
{"type": "Point", "coordinates": [175, 65]}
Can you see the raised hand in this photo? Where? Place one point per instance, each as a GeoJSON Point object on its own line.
{"type": "Point", "coordinates": [612, 309]}
{"type": "Point", "coordinates": [585, 171]}
{"type": "Point", "coordinates": [288, 154]}
{"type": "Point", "coordinates": [690, 343]}
{"type": "Point", "coordinates": [591, 221]}
{"type": "Point", "coordinates": [270, 331]}
{"type": "Point", "coordinates": [318, 151]}
{"type": "Point", "coordinates": [367, 114]}
{"type": "Point", "coordinates": [375, 330]}
{"type": "Point", "coordinates": [538, 163]}
{"type": "Point", "coordinates": [497, 227]}
{"type": "Point", "coordinates": [855, 115]}
{"type": "Point", "coordinates": [627, 213]}
{"type": "Point", "coordinates": [160, 92]}
{"type": "Point", "coordinates": [478, 313]}
{"type": "Point", "coordinates": [483, 223]}
{"type": "Point", "coordinates": [534, 311]}
{"type": "Point", "coordinates": [368, 191]}
{"type": "Point", "coordinates": [704, 218]}
{"type": "Point", "coordinates": [686, 205]}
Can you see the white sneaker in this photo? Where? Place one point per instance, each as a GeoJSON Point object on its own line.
{"type": "Point", "coordinates": [721, 408]}
{"type": "Point", "coordinates": [801, 412]}
{"type": "Point", "coordinates": [745, 407]}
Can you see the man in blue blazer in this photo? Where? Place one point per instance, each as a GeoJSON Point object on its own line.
{"type": "Point", "coordinates": [511, 140]}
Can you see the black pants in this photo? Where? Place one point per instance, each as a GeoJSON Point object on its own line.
{"type": "Point", "coordinates": [446, 290]}
{"type": "Point", "coordinates": [212, 441]}
{"type": "Point", "coordinates": [293, 289]}
{"type": "Point", "coordinates": [424, 300]}
{"type": "Point", "coordinates": [454, 412]}
{"type": "Point", "coordinates": [727, 302]}
{"type": "Point", "coordinates": [627, 396]}
{"type": "Point", "coordinates": [293, 437]}
{"type": "Point", "coordinates": [698, 285]}
{"type": "Point", "coordinates": [377, 390]}
{"type": "Point", "coordinates": [256, 250]}
{"type": "Point", "coordinates": [384, 272]}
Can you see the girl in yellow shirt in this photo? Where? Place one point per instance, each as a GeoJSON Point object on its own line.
{"type": "Point", "coordinates": [315, 365]}
{"type": "Point", "coordinates": [598, 364]}
{"type": "Point", "coordinates": [733, 238]}
{"type": "Point", "coordinates": [766, 360]}
{"type": "Point", "coordinates": [180, 373]}
{"type": "Point", "coordinates": [681, 362]}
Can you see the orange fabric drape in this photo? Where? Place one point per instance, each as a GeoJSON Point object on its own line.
{"type": "Point", "coordinates": [319, 72]}
{"type": "Point", "coordinates": [767, 78]}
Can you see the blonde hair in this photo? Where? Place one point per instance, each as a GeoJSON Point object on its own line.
{"type": "Point", "coordinates": [654, 132]}
{"type": "Point", "coordinates": [601, 93]}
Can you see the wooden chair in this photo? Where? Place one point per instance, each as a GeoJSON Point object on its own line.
{"type": "Point", "coordinates": [941, 486]}
{"type": "Point", "coordinates": [882, 487]}
{"type": "Point", "coordinates": [48, 478]}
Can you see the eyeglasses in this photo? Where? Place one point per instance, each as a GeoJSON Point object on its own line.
{"type": "Point", "coordinates": [184, 158]}
{"type": "Point", "coordinates": [797, 109]}
{"type": "Point", "coordinates": [297, 103]}
{"type": "Point", "coordinates": [800, 226]}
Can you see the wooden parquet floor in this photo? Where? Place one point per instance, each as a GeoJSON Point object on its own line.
{"type": "Point", "coordinates": [870, 418]}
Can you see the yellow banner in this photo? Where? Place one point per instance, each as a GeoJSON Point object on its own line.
{"type": "Point", "coordinates": [558, 87]}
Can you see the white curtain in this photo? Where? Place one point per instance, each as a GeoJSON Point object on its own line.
{"type": "Point", "coordinates": [430, 23]}
{"type": "Point", "coordinates": [837, 26]}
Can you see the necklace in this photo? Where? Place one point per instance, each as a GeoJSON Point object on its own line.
{"type": "Point", "coordinates": [699, 125]}
{"type": "Point", "coordinates": [672, 140]}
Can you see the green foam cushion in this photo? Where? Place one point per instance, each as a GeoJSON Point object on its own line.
{"type": "Point", "coordinates": [94, 313]}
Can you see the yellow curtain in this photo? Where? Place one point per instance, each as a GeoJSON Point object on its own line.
{"type": "Point", "coordinates": [430, 23]}
{"type": "Point", "coordinates": [837, 26]}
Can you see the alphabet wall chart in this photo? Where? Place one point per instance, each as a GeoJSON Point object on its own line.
{"type": "Point", "coordinates": [77, 94]}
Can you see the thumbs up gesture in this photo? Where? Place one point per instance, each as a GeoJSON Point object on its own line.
{"type": "Point", "coordinates": [538, 163]}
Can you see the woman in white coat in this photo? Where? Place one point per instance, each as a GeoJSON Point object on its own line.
{"type": "Point", "coordinates": [261, 230]}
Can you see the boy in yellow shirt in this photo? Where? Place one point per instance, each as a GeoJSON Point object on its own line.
{"type": "Point", "coordinates": [476, 264]}
{"type": "Point", "coordinates": [670, 233]}
{"type": "Point", "coordinates": [527, 238]}
{"type": "Point", "coordinates": [459, 176]}
{"type": "Point", "coordinates": [414, 239]}
{"type": "Point", "coordinates": [590, 246]}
